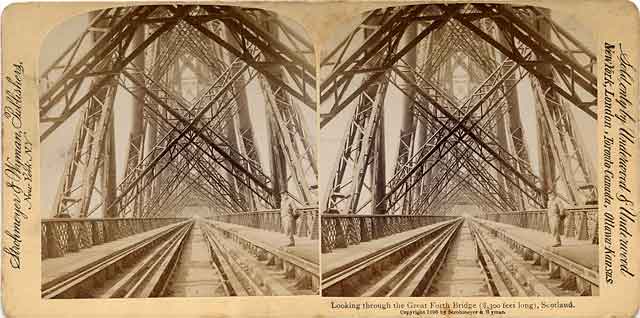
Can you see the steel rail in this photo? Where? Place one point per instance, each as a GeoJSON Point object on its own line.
{"type": "Point", "coordinates": [60, 286]}
{"type": "Point", "coordinates": [236, 281]}
{"type": "Point", "coordinates": [589, 275]}
{"type": "Point", "coordinates": [147, 279]}
{"type": "Point", "coordinates": [499, 278]}
{"type": "Point", "coordinates": [417, 272]}
{"type": "Point", "coordinates": [347, 271]}
{"type": "Point", "coordinates": [294, 264]}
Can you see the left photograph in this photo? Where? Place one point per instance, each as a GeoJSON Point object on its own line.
{"type": "Point", "coordinates": [178, 154]}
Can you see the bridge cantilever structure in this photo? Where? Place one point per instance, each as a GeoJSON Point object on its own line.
{"type": "Point", "coordinates": [413, 51]}
{"type": "Point", "coordinates": [176, 140]}
{"type": "Point", "coordinates": [219, 101]}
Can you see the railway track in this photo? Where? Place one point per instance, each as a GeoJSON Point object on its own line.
{"type": "Point", "coordinates": [97, 278]}
{"type": "Point", "coordinates": [463, 273]}
{"type": "Point", "coordinates": [463, 258]}
{"type": "Point", "coordinates": [190, 259]}
{"type": "Point", "coordinates": [515, 267]}
{"type": "Point", "coordinates": [204, 270]}
{"type": "Point", "coordinates": [505, 271]}
{"type": "Point", "coordinates": [263, 269]}
{"type": "Point", "coordinates": [474, 268]}
{"type": "Point", "coordinates": [394, 270]}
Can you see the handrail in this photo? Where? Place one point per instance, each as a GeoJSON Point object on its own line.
{"type": "Point", "coordinates": [569, 209]}
{"type": "Point", "coordinates": [580, 222]}
{"type": "Point", "coordinates": [271, 220]}
{"type": "Point", "coordinates": [343, 230]}
{"type": "Point", "coordinates": [49, 220]}
{"type": "Point", "coordinates": [60, 236]}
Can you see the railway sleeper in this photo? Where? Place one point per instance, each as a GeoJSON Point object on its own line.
{"type": "Point", "coordinates": [425, 275]}
{"type": "Point", "coordinates": [417, 272]}
{"type": "Point", "coordinates": [86, 282]}
{"type": "Point", "coordinates": [149, 276]}
{"type": "Point", "coordinates": [354, 284]}
{"type": "Point", "coordinates": [236, 282]}
{"type": "Point", "coordinates": [360, 275]}
{"type": "Point", "coordinates": [562, 281]}
{"type": "Point", "coordinates": [272, 273]}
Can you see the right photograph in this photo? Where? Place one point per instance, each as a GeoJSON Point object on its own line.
{"type": "Point", "coordinates": [458, 154]}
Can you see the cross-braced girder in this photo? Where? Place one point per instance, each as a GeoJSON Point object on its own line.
{"type": "Point", "coordinates": [186, 71]}
{"type": "Point", "coordinates": [416, 49]}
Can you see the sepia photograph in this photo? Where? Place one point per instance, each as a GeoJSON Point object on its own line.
{"type": "Point", "coordinates": [320, 158]}
{"type": "Point", "coordinates": [178, 152]}
{"type": "Point", "coordinates": [459, 154]}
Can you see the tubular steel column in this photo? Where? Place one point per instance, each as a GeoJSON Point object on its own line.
{"type": "Point", "coordinates": [295, 149]}
{"type": "Point", "coordinates": [109, 159]}
{"type": "Point", "coordinates": [546, 152]}
{"type": "Point", "coordinates": [232, 139]}
{"type": "Point", "coordinates": [515, 122]}
{"type": "Point", "coordinates": [278, 164]}
{"type": "Point", "coordinates": [559, 123]}
{"type": "Point", "coordinates": [109, 171]}
{"type": "Point", "coordinates": [378, 166]}
{"type": "Point", "coordinates": [241, 128]}
{"type": "Point", "coordinates": [407, 130]}
{"type": "Point", "coordinates": [137, 133]}
{"type": "Point", "coordinates": [501, 136]}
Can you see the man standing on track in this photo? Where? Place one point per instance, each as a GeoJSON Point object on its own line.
{"type": "Point", "coordinates": [289, 216]}
{"type": "Point", "coordinates": [556, 214]}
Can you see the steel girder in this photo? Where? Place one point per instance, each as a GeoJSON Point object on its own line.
{"type": "Point", "coordinates": [562, 73]}
{"type": "Point", "coordinates": [163, 45]}
{"type": "Point", "coordinates": [249, 33]}
{"type": "Point", "coordinates": [574, 75]}
{"type": "Point", "coordinates": [92, 64]}
{"type": "Point", "coordinates": [195, 50]}
{"type": "Point", "coordinates": [488, 93]}
{"type": "Point", "coordinates": [87, 155]}
{"type": "Point", "coordinates": [367, 57]}
{"type": "Point", "coordinates": [289, 128]}
{"type": "Point", "coordinates": [558, 120]}
{"type": "Point", "coordinates": [219, 94]}
{"type": "Point", "coordinates": [92, 146]}
{"type": "Point", "coordinates": [405, 147]}
{"type": "Point", "coordinates": [458, 60]}
{"type": "Point", "coordinates": [566, 144]}
{"type": "Point", "coordinates": [521, 46]}
{"type": "Point", "coordinates": [278, 61]}
{"type": "Point", "coordinates": [240, 131]}
{"type": "Point", "coordinates": [574, 167]}
{"type": "Point", "coordinates": [94, 135]}
{"type": "Point", "coordinates": [471, 162]}
{"type": "Point", "coordinates": [385, 28]}
{"type": "Point", "coordinates": [135, 151]}
{"type": "Point", "coordinates": [205, 169]}
{"type": "Point", "coordinates": [194, 31]}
